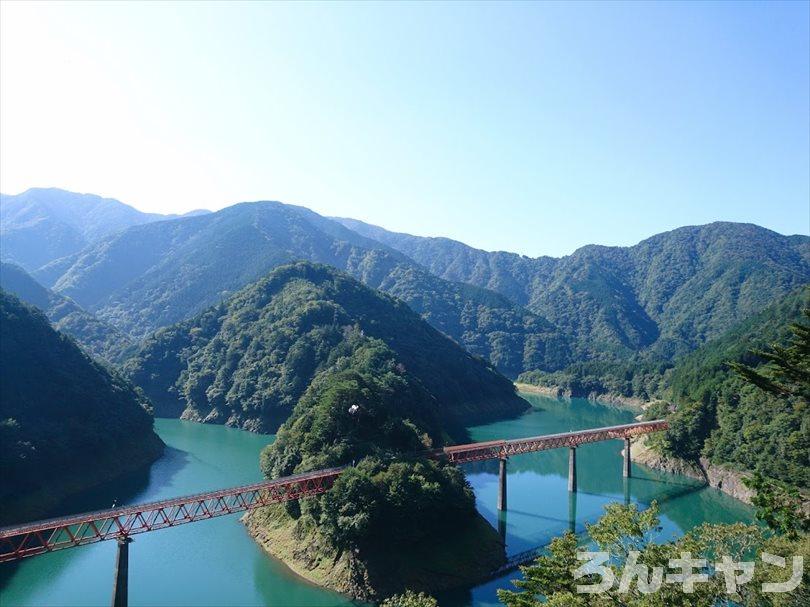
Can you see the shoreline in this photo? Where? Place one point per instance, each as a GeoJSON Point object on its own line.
{"type": "Point", "coordinates": [378, 576]}
{"type": "Point", "coordinates": [722, 478]}
{"type": "Point", "coordinates": [45, 500]}
{"type": "Point", "coordinates": [606, 399]}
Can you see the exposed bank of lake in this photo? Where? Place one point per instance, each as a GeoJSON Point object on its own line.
{"type": "Point", "coordinates": [602, 398]}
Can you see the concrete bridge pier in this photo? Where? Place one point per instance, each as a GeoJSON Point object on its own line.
{"type": "Point", "coordinates": [572, 512]}
{"type": "Point", "coordinates": [572, 468]}
{"type": "Point", "coordinates": [502, 484]}
{"type": "Point", "coordinates": [626, 472]}
{"type": "Point", "coordinates": [121, 582]}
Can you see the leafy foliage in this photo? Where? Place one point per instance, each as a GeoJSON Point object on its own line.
{"type": "Point", "coordinates": [550, 579]}
{"type": "Point", "coordinates": [779, 505]}
{"type": "Point", "coordinates": [370, 412]}
{"type": "Point", "coordinates": [249, 360]}
{"type": "Point", "coordinates": [785, 371]}
{"type": "Point", "coordinates": [59, 409]}
{"type": "Point", "coordinates": [548, 576]}
{"type": "Point", "coordinates": [374, 503]}
{"type": "Point", "coordinates": [640, 377]}
{"type": "Point", "coordinates": [410, 599]}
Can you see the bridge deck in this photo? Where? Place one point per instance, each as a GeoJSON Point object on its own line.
{"type": "Point", "coordinates": [38, 537]}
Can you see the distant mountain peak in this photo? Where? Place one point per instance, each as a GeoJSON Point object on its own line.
{"type": "Point", "coordinates": [42, 225]}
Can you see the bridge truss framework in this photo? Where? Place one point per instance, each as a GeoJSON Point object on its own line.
{"type": "Point", "coordinates": [31, 539]}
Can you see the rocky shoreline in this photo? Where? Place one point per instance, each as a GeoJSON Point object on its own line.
{"type": "Point", "coordinates": [617, 400]}
{"type": "Point", "coordinates": [725, 479]}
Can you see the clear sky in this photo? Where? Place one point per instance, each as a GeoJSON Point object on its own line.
{"type": "Point", "coordinates": [533, 128]}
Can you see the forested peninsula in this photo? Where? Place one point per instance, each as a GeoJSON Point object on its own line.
{"type": "Point", "coordinates": [393, 521]}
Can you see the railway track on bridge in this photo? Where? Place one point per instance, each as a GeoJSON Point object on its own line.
{"type": "Point", "coordinates": [32, 539]}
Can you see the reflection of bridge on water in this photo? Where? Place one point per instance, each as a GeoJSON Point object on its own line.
{"type": "Point", "coordinates": [514, 561]}
{"type": "Point", "coordinates": [31, 539]}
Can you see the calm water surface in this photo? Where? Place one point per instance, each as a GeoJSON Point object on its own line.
{"type": "Point", "coordinates": [216, 563]}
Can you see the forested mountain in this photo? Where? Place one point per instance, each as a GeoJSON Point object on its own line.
{"type": "Point", "coordinates": [248, 360]}
{"type": "Point", "coordinates": [66, 422]}
{"type": "Point", "coordinates": [668, 294]}
{"type": "Point", "coordinates": [100, 339]}
{"type": "Point", "coordinates": [642, 306]}
{"type": "Point", "coordinates": [719, 416]}
{"type": "Point", "coordinates": [157, 274]}
{"type": "Point", "coordinates": [43, 224]}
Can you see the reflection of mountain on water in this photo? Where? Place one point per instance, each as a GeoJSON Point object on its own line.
{"type": "Point", "coordinates": [127, 489]}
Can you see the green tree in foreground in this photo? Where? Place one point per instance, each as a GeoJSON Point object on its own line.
{"type": "Point", "coordinates": [410, 599]}
{"type": "Point", "coordinates": [786, 372]}
{"type": "Point", "coordinates": [785, 375]}
{"type": "Point", "coordinates": [778, 505]}
{"type": "Point", "coordinates": [627, 536]}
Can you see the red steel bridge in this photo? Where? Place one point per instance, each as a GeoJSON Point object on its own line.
{"type": "Point", "coordinates": [31, 539]}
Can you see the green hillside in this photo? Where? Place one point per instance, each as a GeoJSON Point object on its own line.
{"type": "Point", "coordinates": [247, 361]}
{"type": "Point", "coordinates": [666, 295]}
{"type": "Point", "coordinates": [100, 339]}
{"type": "Point", "coordinates": [720, 416]}
{"type": "Point", "coordinates": [66, 422]}
{"type": "Point", "coordinates": [157, 274]}
{"type": "Point", "coordinates": [609, 315]}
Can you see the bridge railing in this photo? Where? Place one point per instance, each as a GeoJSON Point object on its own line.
{"type": "Point", "coordinates": [66, 532]}
{"type": "Point", "coordinates": [504, 448]}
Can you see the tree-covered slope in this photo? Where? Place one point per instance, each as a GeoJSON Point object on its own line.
{"type": "Point", "coordinates": [157, 274]}
{"type": "Point", "coordinates": [44, 224]}
{"type": "Point", "coordinates": [509, 274]}
{"type": "Point", "coordinates": [668, 294]}
{"type": "Point", "coordinates": [374, 412]}
{"type": "Point", "coordinates": [100, 339]}
{"type": "Point", "coordinates": [66, 422]}
{"type": "Point", "coordinates": [716, 414]}
{"type": "Point", "coordinates": [248, 360]}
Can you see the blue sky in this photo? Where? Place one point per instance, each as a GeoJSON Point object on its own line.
{"type": "Point", "coordinates": [534, 128]}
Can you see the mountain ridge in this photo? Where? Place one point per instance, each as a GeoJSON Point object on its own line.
{"type": "Point", "coordinates": [41, 225]}
{"type": "Point", "coordinates": [156, 274]}
{"type": "Point", "coordinates": [630, 298]}
{"type": "Point", "coordinates": [661, 298]}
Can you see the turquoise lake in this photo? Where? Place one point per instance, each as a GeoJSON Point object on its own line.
{"type": "Point", "coordinates": [217, 563]}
